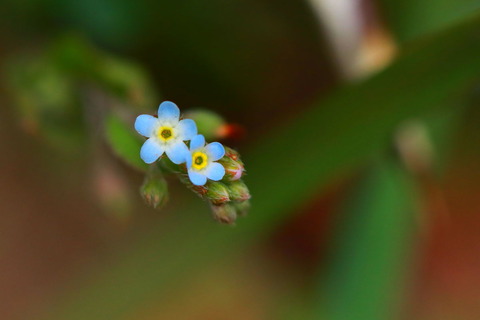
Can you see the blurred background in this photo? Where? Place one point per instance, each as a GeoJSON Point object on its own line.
{"type": "Point", "coordinates": [357, 121]}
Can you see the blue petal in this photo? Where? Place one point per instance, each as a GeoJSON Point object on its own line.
{"type": "Point", "coordinates": [215, 171]}
{"type": "Point", "coordinates": [215, 151]}
{"type": "Point", "coordinates": [145, 124]}
{"type": "Point", "coordinates": [168, 112]}
{"type": "Point", "coordinates": [151, 151]}
{"type": "Point", "coordinates": [187, 129]}
{"type": "Point", "coordinates": [197, 142]}
{"type": "Point", "coordinates": [197, 178]}
{"type": "Point", "coordinates": [177, 152]}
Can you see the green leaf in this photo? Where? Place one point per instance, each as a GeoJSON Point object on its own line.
{"type": "Point", "coordinates": [208, 122]}
{"type": "Point", "coordinates": [119, 78]}
{"type": "Point", "coordinates": [124, 141]}
{"type": "Point", "coordinates": [285, 169]}
{"type": "Point", "coordinates": [46, 102]}
{"type": "Point", "coordinates": [370, 260]}
{"type": "Point", "coordinates": [409, 19]}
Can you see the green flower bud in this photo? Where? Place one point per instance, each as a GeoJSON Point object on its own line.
{"type": "Point", "coordinates": [155, 190]}
{"type": "Point", "coordinates": [242, 208]}
{"type": "Point", "coordinates": [238, 191]}
{"type": "Point", "coordinates": [217, 193]}
{"type": "Point", "coordinates": [233, 154]}
{"type": "Point", "coordinates": [233, 169]}
{"type": "Point", "coordinates": [224, 213]}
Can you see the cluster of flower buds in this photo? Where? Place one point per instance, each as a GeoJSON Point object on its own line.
{"type": "Point", "coordinates": [211, 170]}
{"type": "Point", "coordinates": [228, 198]}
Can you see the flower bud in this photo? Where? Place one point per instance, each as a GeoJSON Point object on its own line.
{"type": "Point", "coordinates": [242, 208]}
{"type": "Point", "coordinates": [233, 169]}
{"type": "Point", "coordinates": [155, 190]}
{"type": "Point", "coordinates": [238, 191]}
{"type": "Point", "coordinates": [217, 193]}
{"type": "Point", "coordinates": [233, 154]}
{"type": "Point", "coordinates": [224, 213]}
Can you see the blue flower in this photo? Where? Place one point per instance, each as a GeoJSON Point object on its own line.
{"type": "Point", "coordinates": [166, 134]}
{"type": "Point", "coordinates": [200, 161]}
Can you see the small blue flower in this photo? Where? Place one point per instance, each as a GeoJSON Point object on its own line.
{"type": "Point", "coordinates": [200, 161]}
{"type": "Point", "coordinates": [166, 134]}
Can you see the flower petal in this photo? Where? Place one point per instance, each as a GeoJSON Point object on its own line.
{"type": "Point", "coordinates": [197, 178]}
{"type": "Point", "coordinates": [215, 171]}
{"type": "Point", "coordinates": [145, 124]}
{"type": "Point", "coordinates": [187, 129]}
{"type": "Point", "coordinates": [215, 150]}
{"type": "Point", "coordinates": [151, 151]}
{"type": "Point", "coordinates": [197, 142]}
{"type": "Point", "coordinates": [168, 112]}
{"type": "Point", "coordinates": [177, 152]}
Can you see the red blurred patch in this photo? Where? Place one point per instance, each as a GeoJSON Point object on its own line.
{"type": "Point", "coordinates": [231, 131]}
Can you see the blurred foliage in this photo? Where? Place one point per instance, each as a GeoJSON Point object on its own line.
{"type": "Point", "coordinates": [46, 101]}
{"type": "Point", "coordinates": [409, 19]}
{"type": "Point", "coordinates": [370, 257]}
{"type": "Point", "coordinates": [208, 123]}
{"type": "Point", "coordinates": [351, 128]}
{"type": "Point", "coordinates": [52, 89]}
{"type": "Point", "coordinates": [433, 137]}
{"type": "Point", "coordinates": [221, 54]}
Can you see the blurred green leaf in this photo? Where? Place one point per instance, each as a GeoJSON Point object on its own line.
{"type": "Point", "coordinates": [287, 168]}
{"type": "Point", "coordinates": [119, 78]}
{"type": "Point", "coordinates": [51, 91]}
{"type": "Point", "coordinates": [208, 122]}
{"type": "Point", "coordinates": [441, 130]}
{"type": "Point", "coordinates": [127, 81]}
{"type": "Point", "coordinates": [409, 19]}
{"type": "Point", "coordinates": [370, 260]}
{"type": "Point", "coordinates": [124, 141]}
{"type": "Point", "coordinates": [47, 102]}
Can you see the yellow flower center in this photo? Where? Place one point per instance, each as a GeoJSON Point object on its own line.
{"type": "Point", "coordinates": [165, 133]}
{"type": "Point", "coordinates": [199, 160]}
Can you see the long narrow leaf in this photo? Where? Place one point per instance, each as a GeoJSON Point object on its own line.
{"type": "Point", "coordinates": [366, 279]}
